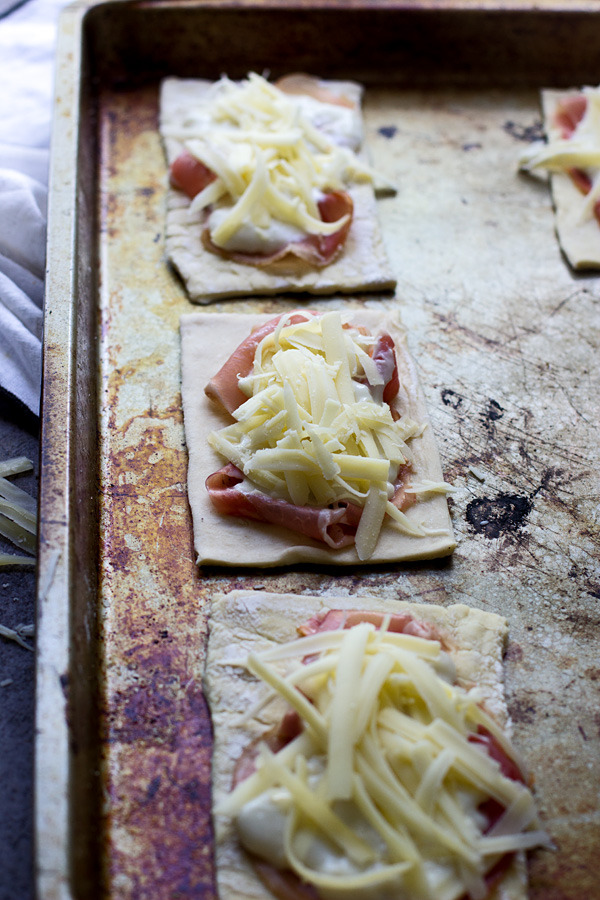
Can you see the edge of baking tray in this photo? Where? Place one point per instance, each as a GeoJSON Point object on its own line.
{"type": "Point", "coordinates": [68, 538]}
{"type": "Point", "coordinates": [66, 761]}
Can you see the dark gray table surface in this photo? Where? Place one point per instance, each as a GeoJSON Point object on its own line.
{"type": "Point", "coordinates": [18, 437]}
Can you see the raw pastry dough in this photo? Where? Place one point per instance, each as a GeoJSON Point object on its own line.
{"type": "Point", "coordinates": [242, 621]}
{"type": "Point", "coordinates": [362, 266]}
{"type": "Point", "coordinates": [207, 341]}
{"type": "Point", "coordinates": [578, 236]}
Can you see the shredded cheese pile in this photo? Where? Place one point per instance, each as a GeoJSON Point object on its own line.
{"type": "Point", "coordinates": [378, 796]}
{"type": "Point", "coordinates": [18, 516]}
{"type": "Point", "coordinates": [313, 434]}
{"type": "Point", "coordinates": [18, 524]}
{"type": "Point", "coordinates": [579, 151]}
{"type": "Point", "coordinates": [272, 161]}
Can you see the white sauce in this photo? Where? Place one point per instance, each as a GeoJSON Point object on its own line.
{"type": "Point", "coordinates": [251, 238]}
{"type": "Point", "coordinates": [341, 124]}
{"type": "Point", "coordinates": [261, 825]}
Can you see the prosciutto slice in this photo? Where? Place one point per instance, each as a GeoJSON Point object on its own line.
{"type": "Point", "coordinates": [299, 83]}
{"type": "Point", "coordinates": [189, 175]}
{"type": "Point", "coordinates": [489, 743]}
{"type": "Point", "coordinates": [403, 498]}
{"type": "Point", "coordinates": [569, 113]}
{"type": "Point", "coordinates": [384, 357]}
{"type": "Point", "coordinates": [333, 525]}
{"type": "Point", "coordinates": [400, 623]}
{"type": "Point", "coordinates": [223, 387]}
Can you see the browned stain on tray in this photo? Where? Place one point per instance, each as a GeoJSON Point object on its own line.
{"type": "Point", "coordinates": [156, 724]}
{"type": "Point", "coordinates": [156, 727]}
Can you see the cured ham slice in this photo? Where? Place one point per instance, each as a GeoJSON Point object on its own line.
{"type": "Point", "coordinates": [507, 765]}
{"type": "Point", "coordinates": [384, 357]}
{"type": "Point", "coordinates": [399, 623]}
{"type": "Point", "coordinates": [189, 175]}
{"type": "Point", "coordinates": [569, 112]}
{"type": "Point", "coordinates": [299, 84]}
{"type": "Point", "coordinates": [283, 884]}
{"type": "Point", "coordinates": [223, 387]}
{"type": "Point", "coordinates": [403, 498]}
{"type": "Point", "coordinates": [316, 249]}
{"type": "Point", "coordinates": [335, 526]}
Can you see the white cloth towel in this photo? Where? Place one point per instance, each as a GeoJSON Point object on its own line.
{"type": "Point", "coordinates": [22, 245]}
{"type": "Point", "coordinates": [27, 47]}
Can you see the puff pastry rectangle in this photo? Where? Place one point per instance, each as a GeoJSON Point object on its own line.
{"type": "Point", "coordinates": [244, 621]}
{"type": "Point", "coordinates": [207, 341]}
{"type": "Point", "coordinates": [363, 264]}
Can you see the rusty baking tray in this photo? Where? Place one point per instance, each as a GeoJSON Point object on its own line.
{"type": "Point", "coordinates": [506, 340]}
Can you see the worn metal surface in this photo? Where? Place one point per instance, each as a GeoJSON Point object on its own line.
{"type": "Point", "coordinates": [506, 340]}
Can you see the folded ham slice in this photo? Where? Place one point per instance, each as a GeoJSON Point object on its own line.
{"type": "Point", "coordinates": [189, 175]}
{"type": "Point", "coordinates": [400, 623]}
{"type": "Point", "coordinates": [333, 525]}
{"type": "Point", "coordinates": [299, 83]}
{"type": "Point", "coordinates": [384, 357]}
{"type": "Point", "coordinates": [569, 113]}
{"type": "Point", "coordinates": [223, 387]}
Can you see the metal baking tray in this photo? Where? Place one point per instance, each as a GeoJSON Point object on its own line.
{"type": "Point", "coordinates": [506, 341]}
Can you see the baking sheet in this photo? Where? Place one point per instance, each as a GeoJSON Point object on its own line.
{"type": "Point", "coordinates": [506, 341]}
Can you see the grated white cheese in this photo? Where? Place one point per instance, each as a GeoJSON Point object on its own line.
{"type": "Point", "coordinates": [274, 155]}
{"type": "Point", "coordinates": [311, 433]}
{"type": "Point", "coordinates": [378, 796]}
{"type": "Point", "coordinates": [18, 516]}
{"type": "Point", "coordinates": [18, 524]}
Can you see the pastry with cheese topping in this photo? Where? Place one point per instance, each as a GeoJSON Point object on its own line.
{"type": "Point", "coordinates": [362, 750]}
{"type": "Point", "coordinates": [570, 156]}
{"type": "Point", "coordinates": [269, 188]}
{"type": "Point", "coordinates": [311, 441]}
